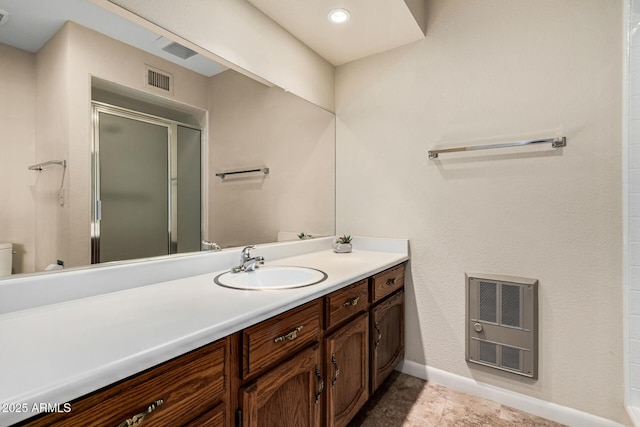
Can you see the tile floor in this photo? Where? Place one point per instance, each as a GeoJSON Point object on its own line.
{"type": "Point", "coordinates": [407, 401]}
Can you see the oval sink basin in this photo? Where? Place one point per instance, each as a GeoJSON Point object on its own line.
{"type": "Point", "coordinates": [271, 277]}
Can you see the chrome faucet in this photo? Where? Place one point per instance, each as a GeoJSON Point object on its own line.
{"type": "Point", "coordinates": [213, 246]}
{"type": "Point", "coordinates": [247, 263]}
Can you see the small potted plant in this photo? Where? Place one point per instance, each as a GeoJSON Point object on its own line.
{"type": "Point", "coordinates": [342, 244]}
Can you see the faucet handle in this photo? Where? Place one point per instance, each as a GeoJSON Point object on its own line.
{"type": "Point", "coordinates": [245, 252]}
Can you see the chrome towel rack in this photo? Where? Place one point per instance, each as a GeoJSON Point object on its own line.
{"type": "Point", "coordinates": [556, 142]}
{"type": "Point", "coordinates": [263, 170]}
{"type": "Point", "coordinates": [38, 167]}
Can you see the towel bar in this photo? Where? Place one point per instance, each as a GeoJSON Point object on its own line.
{"type": "Point", "coordinates": [556, 142]}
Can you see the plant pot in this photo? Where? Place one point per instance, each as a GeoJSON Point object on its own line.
{"type": "Point", "coordinates": [342, 248]}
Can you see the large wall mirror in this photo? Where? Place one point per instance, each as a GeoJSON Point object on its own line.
{"type": "Point", "coordinates": [96, 109]}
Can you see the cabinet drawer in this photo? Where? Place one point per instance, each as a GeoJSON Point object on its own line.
{"type": "Point", "coordinates": [188, 386]}
{"type": "Point", "coordinates": [387, 282]}
{"type": "Point", "coordinates": [279, 337]}
{"type": "Point", "coordinates": [342, 304]}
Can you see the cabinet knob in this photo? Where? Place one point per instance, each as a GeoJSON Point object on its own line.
{"type": "Point", "coordinates": [391, 281]}
{"type": "Point", "coordinates": [477, 327]}
{"type": "Point", "coordinates": [137, 419]}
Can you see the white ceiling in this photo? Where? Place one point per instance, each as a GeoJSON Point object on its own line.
{"type": "Point", "coordinates": [375, 25]}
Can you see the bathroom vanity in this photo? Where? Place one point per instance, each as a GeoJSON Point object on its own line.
{"type": "Point", "coordinates": [190, 352]}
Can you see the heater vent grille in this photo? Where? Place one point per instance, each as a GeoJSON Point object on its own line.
{"type": "Point", "coordinates": [502, 323]}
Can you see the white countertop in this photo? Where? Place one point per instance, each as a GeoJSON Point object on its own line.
{"type": "Point", "coordinates": [59, 352]}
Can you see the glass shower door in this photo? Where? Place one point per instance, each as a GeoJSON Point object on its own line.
{"type": "Point", "coordinates": [133, 188]}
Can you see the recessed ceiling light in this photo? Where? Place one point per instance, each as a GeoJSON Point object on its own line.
{"type": "Point", "coordinates": [338, 16]}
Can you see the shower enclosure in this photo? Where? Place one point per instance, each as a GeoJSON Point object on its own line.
{"type": "Point", "coordinates": [146, 185]}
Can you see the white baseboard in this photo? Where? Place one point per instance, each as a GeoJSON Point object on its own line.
{"type": "Point", "coordinates": [541, 408]}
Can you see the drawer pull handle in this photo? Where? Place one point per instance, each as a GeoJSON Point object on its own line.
{"type": "Point", "coordinates": [379, 335]}
{"type": "Point", "coordinates": [320, 384]}
{"type": "Point", "coordinates": [391, 281]}
{"type": "Point", "coordinates": [290, 336]}
{"type": "Point", "coordinates": [336, 370]}
{"type": "Point", "coordinates": [137, 419]}
{"type": "Point", "coordinates": [351, 303]}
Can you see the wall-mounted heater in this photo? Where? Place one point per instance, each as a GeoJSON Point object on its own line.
{"type": "Point", "coordinates": [502, 323]}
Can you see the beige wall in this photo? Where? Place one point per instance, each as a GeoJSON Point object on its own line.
{"type": "Point", "coordinates": [52, 143]}
{"type": "Point", "coordinates": [252, 125]}
{"type": "Point", "coordinates": [499, 70]}
{"type": "Point", "coordinates": [17, 146]}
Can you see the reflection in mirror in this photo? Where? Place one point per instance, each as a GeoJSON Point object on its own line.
{"type": "Point", "coordinates": [52, 83]}
{"type": "Point", "coordinates": [146, 185]}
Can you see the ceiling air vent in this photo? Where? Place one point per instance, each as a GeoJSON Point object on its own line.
{"type": "Point", "coordinates": [179, 50]}
{"type": "Point", "coordinates": [159, 79]}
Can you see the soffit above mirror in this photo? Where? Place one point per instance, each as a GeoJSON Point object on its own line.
{"type": "Point", "coordinates": [29, 26]}
{"type": "Point", "coordinates": [375, 25]}
{"type": "Point", "coordinates": [244, 38]}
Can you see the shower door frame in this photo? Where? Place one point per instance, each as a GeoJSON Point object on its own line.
{"type": "Point", "coordinates": [172, 126]}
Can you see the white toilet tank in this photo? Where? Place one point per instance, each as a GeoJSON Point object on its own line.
{"type": "Point", "coordinates": [6, 250]}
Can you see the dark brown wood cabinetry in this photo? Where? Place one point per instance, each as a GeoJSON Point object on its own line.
{"type": "Point", "coordinates": [347, 370]}
{"type": "Point", "coordinates": [217, 417]}
{"type": "Point", "coordinates": [172, 394]}
{"type": "Point", "coordinates": [287, 395]}
{"type": "Point", "coordinates": [281, 379]}
{"type": "Point", "coordinates": [387, 338]}
{"type": "Point", "coordinates": [274, 339]}
{"type": "Point", "coordinates": [387, 282]}
{"type": "Point", "coordinates": [343, 304]}
{"type": "Point", "coordinates": [314, 365]}
{"type": "Point", "coordinates": [361, 343]}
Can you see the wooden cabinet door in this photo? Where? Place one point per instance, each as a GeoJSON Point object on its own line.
{"type": "Point", "coordinates": [347, 368]}
{"type": "Point", "coordinates": [217, 417]}
{"type": "Point", "coordinates": [387, 338]}
{"type": "Point", "coordinates": [287, 395]}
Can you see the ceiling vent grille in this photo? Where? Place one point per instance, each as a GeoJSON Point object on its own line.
{"type": "Point", "coordinates": [159, 80]}
{"type": "Point", "coordinates": [179, 50]}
